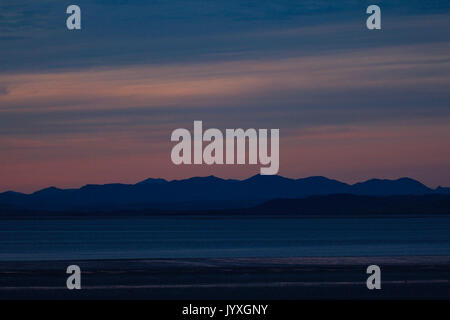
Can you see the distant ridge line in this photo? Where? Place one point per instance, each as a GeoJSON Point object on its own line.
{"type": "Point", "coordinates": [203, 193]}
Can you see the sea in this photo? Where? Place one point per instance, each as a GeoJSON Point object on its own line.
{"type": "Point", "coordinates": [222, 237]}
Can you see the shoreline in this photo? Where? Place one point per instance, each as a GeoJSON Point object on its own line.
{"type": "Point", "coordinates": [423, 277]}
{"type": "Point", "coordinates": [305, 260]}
{"type": "Point", "coordinates": [219, 216]}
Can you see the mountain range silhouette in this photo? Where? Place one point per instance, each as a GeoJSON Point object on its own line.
{"type": "Point", "coordinates": [203, 193]}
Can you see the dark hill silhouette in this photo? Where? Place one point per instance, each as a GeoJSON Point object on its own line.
{"type": "Point", "coordinates": [153, 181]}
{"type": "Point", "coordinates": [442, 190]}
{"type": "Point", "coordinates": [202, 193]}
{"type": "Point", "coordinates": [390, 187]}
{"type": "Point", "coordinates": [350, 204]}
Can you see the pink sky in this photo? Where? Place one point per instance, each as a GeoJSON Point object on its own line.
{"type": "Point", "coordinates": [349, 116]}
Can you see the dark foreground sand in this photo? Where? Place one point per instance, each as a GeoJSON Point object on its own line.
{"type": "Point", "coordinates": [254, 278]}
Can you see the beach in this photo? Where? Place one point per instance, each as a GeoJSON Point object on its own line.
{"type": "Point", "coordinates": [424, 277]}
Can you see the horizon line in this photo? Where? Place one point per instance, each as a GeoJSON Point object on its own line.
{"type": "Point", "coordinates": [220, 178]}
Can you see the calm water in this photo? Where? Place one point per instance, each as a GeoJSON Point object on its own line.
{"type": "Point", "coordinates": [207, 237]}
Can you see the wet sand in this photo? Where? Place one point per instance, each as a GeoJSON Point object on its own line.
{"type": "Point", "coordinates": [423, 277]}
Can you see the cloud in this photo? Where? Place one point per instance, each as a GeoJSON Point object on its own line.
{"type": "Point", "coordinates": [3, 90]}
{"type": "Point", "coordinates": [142, 32]}
{"type": "Point", "coordinates": [394, 83]}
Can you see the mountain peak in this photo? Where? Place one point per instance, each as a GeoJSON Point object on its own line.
{"type": "Point", "coordinates": [210, 178]}
{"type": "Point", "coordinates": [390, 187]}
{"type": "Point", "coordinates": [260, 177]}
{"type": "Point", "coordinates": [48, 190]}
{"type": "Point", "coordinates": [152, 181]}
{"type": "Point", "coordinates": [317, 179]}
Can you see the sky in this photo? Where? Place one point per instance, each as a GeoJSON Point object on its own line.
{"type": "Point", "coordinates": [98, 105]}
